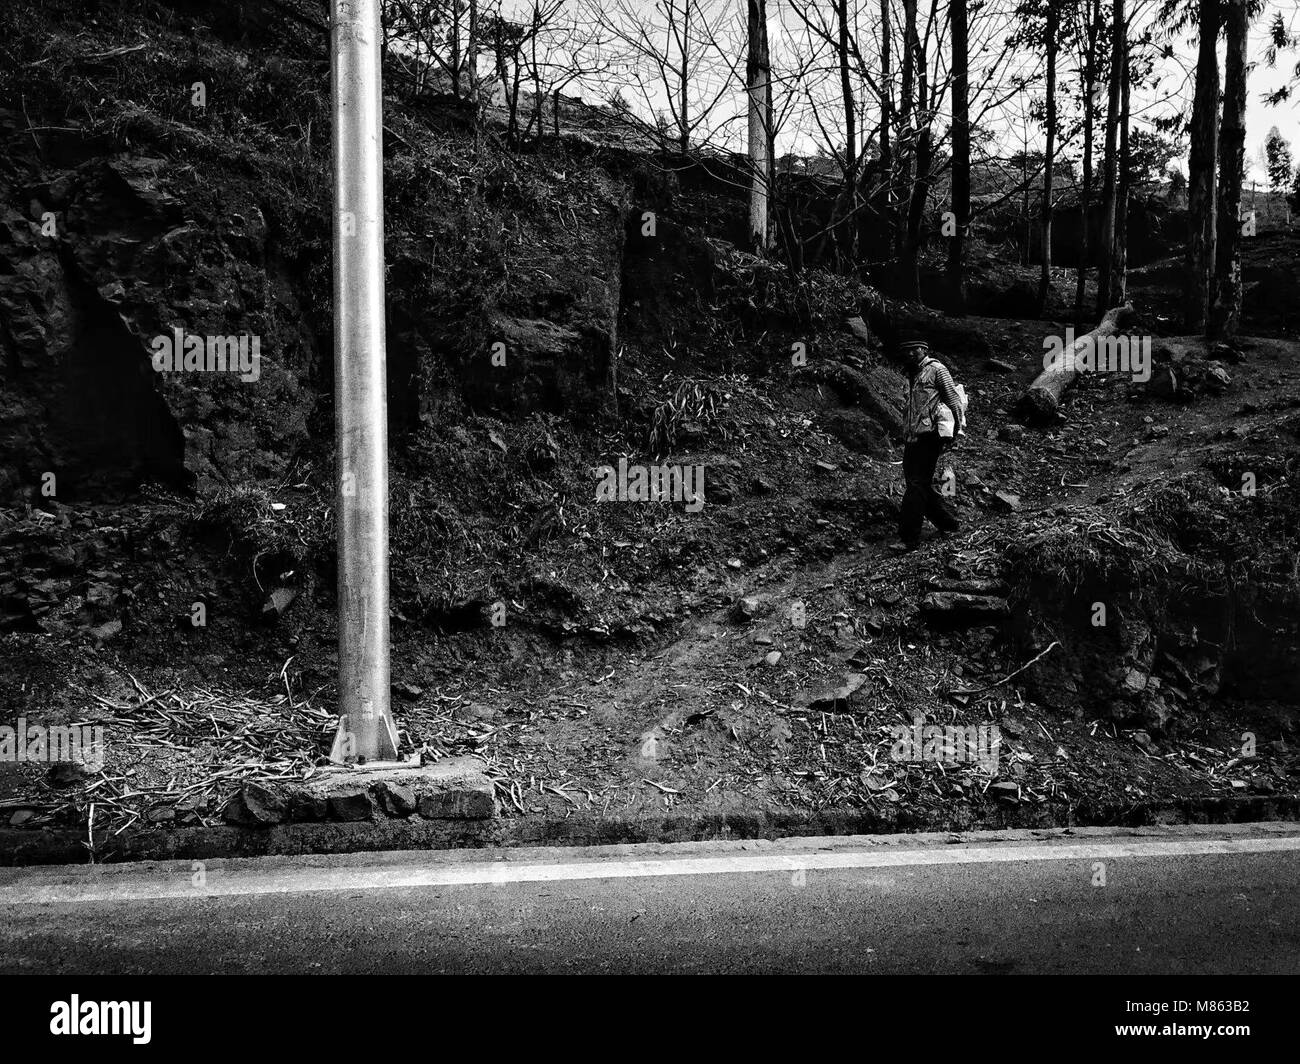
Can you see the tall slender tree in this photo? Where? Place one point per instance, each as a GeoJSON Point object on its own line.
{"type": "Point", "coordinates": [845, 239]}
{"type": "Point", "coordinates": [1052, 43]}
{"type": "Point", "coordinates": [1119, 268]}
{"type": "Point", "coordinates": [887, 159]}
{"type": "Point", "coordinates": [1225, 314]}
{"type": "Point", "coordinates": [921, 154]}
{"type": "Point", "coordinates": [906, 142]}
{"type": "Point", "coordinates": [1110, 184]}
{"type": "Point", "coordinates": [758, 78]}
{"type": "Point", "coordinates": [1201, 164]}
{"type": "Point", "coordinates": [1089, 63]}
{"type": "Point", "coordinates": [960, 19]}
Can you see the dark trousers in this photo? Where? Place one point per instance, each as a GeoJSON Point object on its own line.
{"type": "Point", "coordinates": [921, 500]}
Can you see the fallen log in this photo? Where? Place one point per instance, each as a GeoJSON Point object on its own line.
{"type": "Point", "coordinates": [1042, 398]}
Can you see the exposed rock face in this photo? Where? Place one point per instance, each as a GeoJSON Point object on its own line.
{"type": "Point", "coordinates": [106, 259]}
{"type": "Point", "coordinates": [548, 341]}
{"type": "Point", "coordinates": [121, 250]}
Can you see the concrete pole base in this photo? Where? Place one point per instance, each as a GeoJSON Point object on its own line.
{"type": "Point", "coordinates": [344, 750]}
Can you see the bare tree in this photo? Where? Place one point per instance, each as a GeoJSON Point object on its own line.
{"type": "Point", "coordinates": [674, 55]}
{"type": "Point", "coordinates": [961, 186]}
{"type": "Point", "coordinates": [1110, 189]}
{"type": "Point", "coordinates": [846, 241]}
{"type": "Point", "coordinates": [758, 71]}
{"type": "Point", "coordinates": [1052, 45]}
{"type": "Point", "coordinates": [1089, 39]}
{"type": "Point", "coordinates": [1202, 160]}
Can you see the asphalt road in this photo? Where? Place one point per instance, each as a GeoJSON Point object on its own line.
{"type": "Point", "coordinates": [1187, 900]}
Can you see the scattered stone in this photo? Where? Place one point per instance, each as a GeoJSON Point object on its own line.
{"type": "Point", "coordinates": [256, 806]}
{"type": "Point", "coordinates": [735, 563]}
{"type": "Point", "coordinates": [1007, 501]}
{"type": "Point", "coordinates": [1006, 790]}
{"type": "Point", "coordinates": [1011, 433]}
{"type": "Point", "coordinates": [825, 467]}
{"type": "Point", "coordinates": [305, 806]}
{"type": "Point", "coordinates": [837, 700]}
{"type": "Point", "coordinates": [407, 691]}
{"type": "Point", "coordinates": [772, 658]}
{"type": "Point", "coordinates": [997, 365]}
{"type": "Point", "coordinates": [100, 595]}
{"type": "Point", "coordinates": [397, 799]}
{"type": "Point", "coordinates": [279, 600]}
{"type": "Point", "coordinates": [763, 640]}
{"type": "Point", "coordinates": [1143, 739]}
{"type": "Point", "coordinates": [959, 607]}
{"type": "Point", "coordinates": [746, 608]}
{"type": "Point", "coordinates": [104, 632]}
{"type": "Point", "coordinates": [21, 817]}
{"type": "Point", "coordinates": [1217, 377]}
{"type": "Point", "coordinates": [1013, 726]}
{"type": "Point", "coordinates": [1135, 682]}
{"type": "Point", "coordinates": [353, 805]}
{"type": "Point", "coordinates": [160, 814]}
{"type": "Point", "coordinates": [455, 788]}
{"type": "Point", "coordinates": [762, 486]}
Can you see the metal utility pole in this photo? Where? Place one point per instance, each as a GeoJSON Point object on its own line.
{"type": "Point", "coordinates": [366, 732]}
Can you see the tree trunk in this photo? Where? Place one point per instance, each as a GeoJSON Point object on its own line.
{"type": "Point", "coordinates": [1024, 191]}
{"type": "Point", "coordinates": [1089, 122]}
{"type": "Point", "coordinates": [757, 75]}
{"type": "Point", "coordinates": [921, 160]}
{"type": "Point", "coordinates": [960, 154]}
{"type": "Point", "coordinates": [471, 55]}
{"type": "Point", "coordinates": [886, 119]}
{"type": "Point", "coordinates": [906, 144]}
{"type": "Point", "coordinates": [1040, 401]}
{"type": "Point", "coordinates": [845, 237]}
{"type": "Point", "coordinates": [1119, 265]}
{"type": "Point", "coordinates": [1225, 315]}
{"type": "Point", "coordinates": [1110, 185]}
{"type": "Point", "coordinates": [1049, 161]}
{"type": "Point", "coordinates": [454, 41]}
{"type": "Point", "coordinates": [1201, 163]}
{"type": "Point", "coordinates": [684, 102]}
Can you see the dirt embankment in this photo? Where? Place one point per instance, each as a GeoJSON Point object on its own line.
{"type": "Point", "coordinates": [756, 654]}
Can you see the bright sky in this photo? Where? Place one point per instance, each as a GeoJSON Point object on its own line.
{"type": "Point", "coordinates": [802, 134]}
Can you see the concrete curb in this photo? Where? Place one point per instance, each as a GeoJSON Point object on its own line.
{"type": "Point", "coordinates": [46, 846]}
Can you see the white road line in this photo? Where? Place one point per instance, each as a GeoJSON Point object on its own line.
{"type": "Point", "coordinates": [176, 880]}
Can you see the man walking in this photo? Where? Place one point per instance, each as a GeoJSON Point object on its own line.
{"type": "Point", "coordinates": [930, 385]}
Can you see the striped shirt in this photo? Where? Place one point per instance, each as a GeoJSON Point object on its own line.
{"type": "Point", "coordinates": [931, 386]}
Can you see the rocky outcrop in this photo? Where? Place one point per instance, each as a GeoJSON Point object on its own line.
{"type": "Point", "coordinates": [103, 261]}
